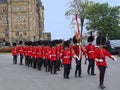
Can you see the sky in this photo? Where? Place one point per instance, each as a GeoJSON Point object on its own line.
{"type": "Point", "coordinates": [55, 20]}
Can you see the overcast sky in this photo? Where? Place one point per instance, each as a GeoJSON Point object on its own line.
{"type": "Point", "coordinates": [55, 20]}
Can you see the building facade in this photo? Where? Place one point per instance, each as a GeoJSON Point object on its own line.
{"type": "Point", "coordinates": [21, 20]}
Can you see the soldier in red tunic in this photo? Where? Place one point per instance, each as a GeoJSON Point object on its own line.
{"type": "Point", "coordinates": [53, 58]}
{"type": "Point", "coordinates": [34, 55]}
{"type": "Point", "coordinates": [90, 50]}
{"type": "Point", "coordinates": [14, 53]}
{"type": "Point", "coordinates": [100, 57]}
{"type": "Point", "coordinates": [77, 51]}
{"type": "Point", "coordinates": [29, 61]}
{"type": "Point", "coordinates": [26, 52]}
{"type": "Point", "coordinates": [67, 54]}
{"type": "Point", "coordinates": [39, 52]}
{"type": "Point", "coordinates": [47, 52]}
{"type": "Point", "coordinates": [21, 51]}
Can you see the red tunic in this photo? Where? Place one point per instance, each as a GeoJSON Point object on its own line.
{"type": "Point", "coordinates": [39, 51]}
{"type": "Point", "coordinates": [53, 54]}
{"type": "Point", "coordinates": [21, 49]}
{"type": "Point", "coordinates": [101, 54]}
{"type": "Point", "coordinates": [34, 53]}
{"type": "Point", "coordinates": [67, 53]}
{"type": "Point", "coordinates": [14, 51]}
{"type": "Point", "coordinates": [78, 51]}
{"type": "Point", "coordinates": [47, 52]}
{"type": "Point", "coordinates": [29, 53]}
{"type": "Point", "coordinates": [90, 50]}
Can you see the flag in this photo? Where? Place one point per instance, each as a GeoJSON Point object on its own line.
{"type": "Point", "coordinates": [77, 34]}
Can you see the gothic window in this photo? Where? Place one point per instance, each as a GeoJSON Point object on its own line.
{"type": "Point", "coordinates": [24, 31]}
{"type": "Point", "coordinates": [5, 20]}
{"type": "Point", "coordinates": [15, 8]}
{"type": "Point", "coordinates": [17, 31]}
{"type": "Point", "coordinates": [23, 19]}
{"type": "Point", "coordinates": [20, 18]}
{"type": "Point", "coordinates": [17, 19]}
{"type": "Point", "coordinates": [6, 33]}
{"type": "Point", "coordinates": [5, 9]}
{"type": "Point", "coordinates": [23, 8]}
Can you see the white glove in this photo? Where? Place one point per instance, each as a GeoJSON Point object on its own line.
{"type": "Point", "coordinates": [100, 60]}
{"type": "Point", "coordinates": [76, 56]}
{"type": "Point", "coordinates": [115, 59]}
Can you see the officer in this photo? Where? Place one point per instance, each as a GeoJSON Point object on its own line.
{"type": "Point", "coordinates": [100, 58]}
{"type": "Point", "coordinates": [77, 51]}
{"type": "Point", "coordinates": [90, 50]}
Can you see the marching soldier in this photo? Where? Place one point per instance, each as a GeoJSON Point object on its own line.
{"type": "Point", "coordinates": [14, 53]}
{"type": "Point", "coordinates": [39, 52]}
{"type": "Point", "coordinates": [100, 58]}
{"type": "Point", "coordinates": [67, 53]}
{"type": "Point", "coordinates": [26, 53]}
{"type": "Point", "coordinates": [90, 50]}
{"type": "Point", "coordinates": [77, 51]}
{"type": "Point", "coordinates": [47, 56]}
{"type": "Point", "coordinates": [53, 58]}
{"type": "Point", "coordinates": [21, 51]}
{"type": "Point", "coordinates": [34, 55]}
{"type": "Point", "coordinates": [29, 61]}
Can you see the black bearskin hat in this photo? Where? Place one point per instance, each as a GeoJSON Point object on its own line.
{"type": "Point", "coordinates": [75, 40]}
{"type": "Point", "coordinates": [34, 44]}
{"type": "Point", "coordinates": [90, 39]}
{"type": "Point", "coordinates": [30, 43]}
{"type": "Point", "coordinates": [101, 40]}
{"type": "Point", "coordinates": [53, 43]}
{"type": "Point", "coordinates": [20, 42]}
{"type": "Point", "coordinates": [26, 43]}
{"type": "Point", "coordinates": [14, 44]}
{"type": "Point", "coordinates": [66, 43]}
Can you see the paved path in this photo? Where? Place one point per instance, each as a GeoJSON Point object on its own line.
{"type": "Point", "coordinates": [16, 77]}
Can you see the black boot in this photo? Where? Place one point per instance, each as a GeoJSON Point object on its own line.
{"type": "Point", "coordinates": [102, 86]}
{"type": "Point", "coordinates": [75, 74]}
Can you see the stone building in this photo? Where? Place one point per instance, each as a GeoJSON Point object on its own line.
{"type": "Point", "coordinates": [21, 20]}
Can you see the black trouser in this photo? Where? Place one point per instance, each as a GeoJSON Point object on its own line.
{"type": "Point", "coordinates": [39, 63]}
{"type": "Point", "coordinates": [102, 74]}
{"type": "Point", "coordinates": [66, 70]}
{"type": "Point", "coordinates": [78, 67]}
{"type": "Point", "coordinates": [91, 66]}
{"type": "Point", "coordinates": [34, 62]}
{"type": "Point", "coordinates": [14, 59]}
{"type": "Point", "coordinates": [47, 65]}
{"type": "Point", "coordinates": [26, 60]}
{"type": "Point", "coordinates": [29, 61]}
{"type": "Point", "coordinates": [58, 64]}
{"type": "Point", "coordinates": [53, 66]}
{"type": "Point", "coordinates": [21, 59]}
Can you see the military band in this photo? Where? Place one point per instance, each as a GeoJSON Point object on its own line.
{"type": "Point", "coordinates": [52, 55]}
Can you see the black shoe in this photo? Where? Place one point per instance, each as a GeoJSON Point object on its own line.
{"type": "Point", "coordinates": [67, 77]}
{"type": "Point", "coordinates": [55, 73]}
{"type": "Point", "coordinates": [102, 86]}
{"type": "Point", "coordinates": [75, 75]}
{"type": "Point", "coordinates": [80, 76]}
{"type": "Point", "coordinates": [93, 74]}
{"type": "Point", "coordinates": [88, 72]}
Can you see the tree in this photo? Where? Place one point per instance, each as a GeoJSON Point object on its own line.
{"type": "Point", "coordinates": [79, 7]}
{"type": "Point", "coordinates": [103, 19]}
